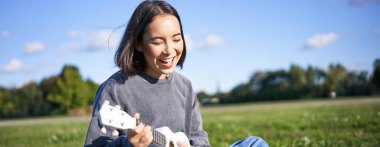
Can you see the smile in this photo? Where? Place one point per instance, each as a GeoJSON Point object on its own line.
{"type": "Point", "coordinates": [167, 62]}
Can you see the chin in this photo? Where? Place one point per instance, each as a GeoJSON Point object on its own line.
{"type": "Point", "coordinates": [168, 71]}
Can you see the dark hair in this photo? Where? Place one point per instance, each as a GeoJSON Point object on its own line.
{"type": "Point", "coordinates": [127, 57]}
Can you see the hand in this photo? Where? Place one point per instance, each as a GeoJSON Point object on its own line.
{"type": "Point", "coordinates": [141, 135]}
{"type": "Point", "coordinates": [182, 144]}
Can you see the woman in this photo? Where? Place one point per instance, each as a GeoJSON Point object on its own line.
{"type": "Point", "coordinates": [147, 86]}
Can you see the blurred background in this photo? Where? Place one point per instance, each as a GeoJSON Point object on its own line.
{"type": "Point", "coordinates": [54, 54]}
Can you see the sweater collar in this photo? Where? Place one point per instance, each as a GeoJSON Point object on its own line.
{"type": "Point", "coordinates": [153, 80]}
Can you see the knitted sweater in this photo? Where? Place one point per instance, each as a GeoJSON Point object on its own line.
{"type": "Point", "coordinates": [167, 102]}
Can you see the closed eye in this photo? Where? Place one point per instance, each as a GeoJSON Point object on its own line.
{"type": "Point", "coordinates": [157, 43]}
{"type": "Point", "coordinates": [177, 37]}
{"type": "Point", "coordinates": [177, 40]}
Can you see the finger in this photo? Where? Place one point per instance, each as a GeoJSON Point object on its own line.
{"type": "Point", "coordinates": [145, 140]}
{"type": "Point", "coordinates": [146, 137]}
{"type": "Point", "coordinates": [139, 128]}
{"type": "Point", "coordinates": [135, 133]}
{"type": "Point", "coordinates": [148, 129]}
{"type": "Point", "coordinates": [148, 134]}
{"type": "Point", "coordinates": [143, 136]}
{"type": "Point", "coordinates": [136, 116]}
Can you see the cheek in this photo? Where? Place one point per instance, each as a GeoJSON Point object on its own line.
{"type": "Point", "coordinates": [179, 50]}
{"type": "Point", "coordinates": [151, 53]}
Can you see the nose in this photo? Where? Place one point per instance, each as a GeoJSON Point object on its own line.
{"type": "Point", "coordinates": [169, 48]}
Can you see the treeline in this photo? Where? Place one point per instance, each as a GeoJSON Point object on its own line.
{"type": "Point", "coordinates": [65, 93]}
{"type": "Point", "coordinates": [69, 93]}
{"type": "Point", "coordinates": [300, 83]}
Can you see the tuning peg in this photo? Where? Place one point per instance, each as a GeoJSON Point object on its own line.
{"type": "Point", "coordinates": [117, 107]}
{"type": "Point", "coordinates": [106, 102]}
{"type": "Point", "coordinates": [115, 133]}
{"type": "Point", "coordinates": [103, 129]}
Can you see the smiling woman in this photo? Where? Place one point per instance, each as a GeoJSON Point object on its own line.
{"type": "Point", "coordinates": [148, 87]}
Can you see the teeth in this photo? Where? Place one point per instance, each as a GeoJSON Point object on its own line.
{"type": "Point", "coordinates": [167, 60]}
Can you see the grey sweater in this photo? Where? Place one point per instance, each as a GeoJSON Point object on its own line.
{"type": "Point", "coordinates": [167, 102]}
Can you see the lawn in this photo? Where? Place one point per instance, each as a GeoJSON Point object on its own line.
{"type": "Point", "coordinates": [356, 124]}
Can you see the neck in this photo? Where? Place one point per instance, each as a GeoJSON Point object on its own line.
{"type": "Point", "coordinates": [159, 138]}
{"type": "Point", "coordinates": [157, 76]}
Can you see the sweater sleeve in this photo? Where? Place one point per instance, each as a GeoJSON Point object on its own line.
{"type": "Point", "coordinates": [198, 137]}
{"type": "Point", "coordinates": [95, 137]}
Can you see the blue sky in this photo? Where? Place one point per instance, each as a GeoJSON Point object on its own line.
{"type": "Point", "coordinates": [228, 40]}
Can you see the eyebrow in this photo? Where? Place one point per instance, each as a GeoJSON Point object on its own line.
{"type": "Point", "coordinates": [176, 34]}
{"type": "Point", "coordinates": [159, 37]}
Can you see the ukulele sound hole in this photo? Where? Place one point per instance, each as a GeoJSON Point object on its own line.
{"type": "Point", "coordinates": [171, 144]}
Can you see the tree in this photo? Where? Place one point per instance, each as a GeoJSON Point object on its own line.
{"type": "Point", "coordinates": [201, 95]}
{"type": "Point", "coordinates": [24, 101]}
{"type": "Point", "coordinates": [315, 79]}
{"type": "Point", "coordinates": [298, 81]}
{"type": "Point", "coordinates": [274, 86]}
{"type": "Point", "coordinates": [297, 77]}
{"type": "Point", "coordinates": [92, 90]}
{"type": "Point", "coordinates": [31, 101]}
{"type": "Point", "coordinates": [357, 83]}
{"type": "Point", "coordinates": [335, 78]}
{"type": "Point", "coordinates": [69, 91]}
{"type": "Point", "coordinates": [375, 80]}
{"type": "Point", "coordinates": [7, 107]}
{"type": "Point", "coordinates": [46, 85]}
{"type": "Point", "coordinates": [240, 93]}
{"type": "Point", "coordinates": [3, 102]}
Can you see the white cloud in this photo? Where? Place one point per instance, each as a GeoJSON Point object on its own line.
{"type": "Point", "coordinates": [92, 41]}
{"type": "Point", "coordinates": [34, 47]}
{"type": "Point", "coordinates": [4, 34]}
{"type": "Point", "coordinates": [321, 40]}
{"type": "Point", "coordinates": [211, 42]}
{"type": "Point", "coordinates": [102, 40]}
{"type": "Point", "coordinates": [14, 65]}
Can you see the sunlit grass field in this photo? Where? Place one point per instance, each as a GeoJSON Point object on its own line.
{"type": "Point", "coordinates": [329, 125]}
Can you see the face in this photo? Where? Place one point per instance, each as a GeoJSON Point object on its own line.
{"type": "Point", "coordinates": [162, 45]}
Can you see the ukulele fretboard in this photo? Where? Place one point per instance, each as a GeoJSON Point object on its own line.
{"type": "Point", "coordinates": [159, 138]}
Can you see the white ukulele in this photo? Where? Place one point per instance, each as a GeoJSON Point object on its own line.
{"type": "Point", "coordinates": [116, 118]}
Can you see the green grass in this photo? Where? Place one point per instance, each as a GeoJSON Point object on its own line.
{"type": "Point", "coordinates": [357, 125]}
{"type": "Point", "coordinates": [44, 135]}
{"type": "Point", "coordinates": [352, 125]}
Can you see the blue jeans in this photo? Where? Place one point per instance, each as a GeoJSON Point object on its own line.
{"type": "Point", "coordinates": [251, 141]}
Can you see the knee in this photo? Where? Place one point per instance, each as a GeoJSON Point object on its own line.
{"type": "Point", "coordinates": [250, 141]}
